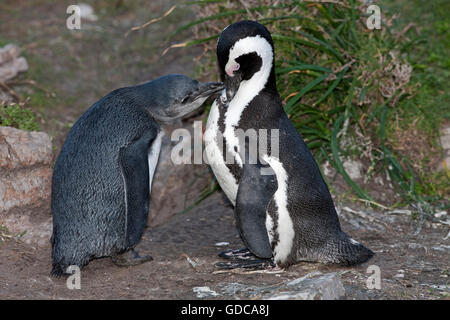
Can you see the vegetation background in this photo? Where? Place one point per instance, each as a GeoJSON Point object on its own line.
{"type": "Point", "coordinates": [376, 96]}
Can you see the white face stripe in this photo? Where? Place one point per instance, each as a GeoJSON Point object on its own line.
{"type": "Point", "coordinates": [248, 89]}
{"type": "Point", "coordinates": [285, 227]}
{"type": "Point", "coordinates": [256, 44]}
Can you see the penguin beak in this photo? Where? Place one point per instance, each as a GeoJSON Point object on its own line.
{"type": "Point", "coordinates": [232, 85]}
{"type": "Point", "coordinates": [194, 100]}
{"type": "Point", "coordinates": [230, 69]}
{"type": "Point", "coordinates": [206, 90]}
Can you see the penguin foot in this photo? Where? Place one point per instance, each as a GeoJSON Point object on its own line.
{"type": "Point", "coordinates": [130, 258]}
{"type": "Point", "coordinates": [242, 254]}
{"type": "Point", "coordinates": [243, 258]}
{"type": "Point", "coordinates": [256, 264]}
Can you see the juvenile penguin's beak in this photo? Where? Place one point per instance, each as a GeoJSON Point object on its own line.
{"type": "Point", "coordinates": [207, 89]}
{"type": "Point", "coordinates": [194, 99]}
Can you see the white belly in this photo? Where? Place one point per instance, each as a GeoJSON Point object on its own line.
{"type": "Point", "coordinates": [153, 156]}
{"type": "Point", "coordinates": [283, 229]}
{"type": "Point", "coordinates": [215, 157]}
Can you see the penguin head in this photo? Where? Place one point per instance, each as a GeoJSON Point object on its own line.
{"type": "Point", "coordinates": [177, 95]}
{"type": "Point", "coordinates": [245, 50]}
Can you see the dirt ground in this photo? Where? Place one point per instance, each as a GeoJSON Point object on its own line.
{"type": "Point", "coordinates": [83, 66]}
{"type": "Point", "coordinates": [412, 266]}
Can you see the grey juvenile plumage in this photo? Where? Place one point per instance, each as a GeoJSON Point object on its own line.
{"type": "Point", "coordinates": [102, 177]}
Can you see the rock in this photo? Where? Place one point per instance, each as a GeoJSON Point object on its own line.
{"type": "Point", "coordinates": [415, 246]}
{"type": "Point", "coordinates": [175, 186]}
{"type": "Point", "coordinates": [5, 98]}
{"type": "Point", "coordinates": [400, 274]}
{"type": "Point", "coordinates": [35, 230]}
{"type": "Point", "coordinates": [221, 244]}
{"type": "Point", "coordinates": [25, 183]}
{"type": "Point", "coordinates": [441, 248]}
{"type": "Point", "coordinates": [353, 169]}
{"type": "Point", "coordinates": [440, 214]}
{"type": "Point", "coordinates": [204, 292]}
{"type": "Point", "coordinates": [19, 149]}
{"type": "Point", "coordinates": [441, 287]}
{"type": "Point", "coordinates": [313, 286]}
{"type": "Point", "coordinates": [10, 62]}
{"type": "Point", "coordinates": [87, 12]}
{"type": "Point", "coordinates": [327, 169]}
{"type": "Point", "coordinates": [9, 53]}
{"type": "Point", "coordinates": [27, 187]}
{"type": "Point", "coordinates": [401, 212]}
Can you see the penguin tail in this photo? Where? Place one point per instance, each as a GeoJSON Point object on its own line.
{"type": "Point", "coordinates": [57, 271]}
{"type": "Point", "coordinates": [349, 252]}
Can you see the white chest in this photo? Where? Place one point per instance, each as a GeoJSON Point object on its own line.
{"type": "Point", "coordinates": [153, 156]}
{"type": "Point", "coordinates": [215, 157]}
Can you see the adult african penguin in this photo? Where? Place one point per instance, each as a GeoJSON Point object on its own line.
{"type": "Point", "coordinates": [103, 175]}
{"type": "Point", "coordinates": [288, 216]}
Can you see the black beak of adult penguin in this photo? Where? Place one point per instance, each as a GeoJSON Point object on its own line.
{"type": "Point", "coordinates": [232, 85]}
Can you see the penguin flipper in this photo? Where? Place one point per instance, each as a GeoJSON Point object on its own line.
{"type": "Point", "coordinates": [254, 195]}
{"type": "Point", "coordinates": [133, 160]}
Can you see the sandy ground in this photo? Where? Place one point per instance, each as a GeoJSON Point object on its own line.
{"type": "Point", "coordinates": [412, 266]}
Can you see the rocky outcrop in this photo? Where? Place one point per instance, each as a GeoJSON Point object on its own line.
{"type": "Point", "coordinates": [175, 187]}
{"type": "Point", "coordinates": [10, 62]}
{"type": "Point", "coordinates": [25, 183]}
{"type": "Point", "coordinates": [313, 286]}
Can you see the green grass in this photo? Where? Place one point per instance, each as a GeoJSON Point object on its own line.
{"type": "Point", "coordinates": [19, 117]}
{"type": "Point", "coordinates": [426, 48]}
{"type": "Point", "coordinates": [335, 77]}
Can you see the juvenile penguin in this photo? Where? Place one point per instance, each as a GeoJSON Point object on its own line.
{"type": "Point", "coordinates": [103, 175]}
{"type": "Point", "coordinates": [287, 216]}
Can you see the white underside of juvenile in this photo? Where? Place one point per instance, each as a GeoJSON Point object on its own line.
{"type": "Point", "coordinates": [153, 156]}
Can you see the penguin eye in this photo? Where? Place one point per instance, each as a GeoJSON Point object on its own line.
{"type": "Point", "coordinates": [185, 99]}
{"type": "Point", "coordinates": [250, 64]}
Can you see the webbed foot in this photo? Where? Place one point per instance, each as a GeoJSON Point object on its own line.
{"type": "Point", "coordinates": [243, 258]}
{"type": "Point", "coordinates": [130, 258]}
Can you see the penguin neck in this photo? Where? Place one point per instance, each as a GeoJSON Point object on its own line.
{"type": "Point", "coordinates": [147, 97]}
{"type": "Point", "coordinates": [262, 81]}
{"type": "Point", "coordinates": [143, 95]}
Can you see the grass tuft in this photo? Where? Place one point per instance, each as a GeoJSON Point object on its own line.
{"type": "Point", "coordinates": [18, 116]}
